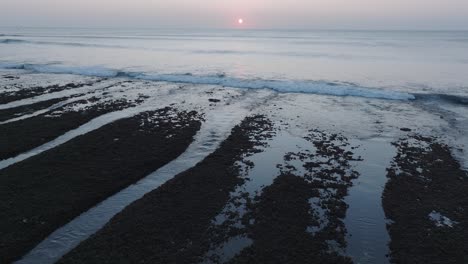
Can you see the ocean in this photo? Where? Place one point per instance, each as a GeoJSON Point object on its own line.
{"type": "Point", "coordinates": [377, 64]}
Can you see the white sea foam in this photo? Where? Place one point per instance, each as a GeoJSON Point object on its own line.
{"type": "Point", "coordinates": [313, 87]}
{"type": "Point", "coordinates": [283, 86]}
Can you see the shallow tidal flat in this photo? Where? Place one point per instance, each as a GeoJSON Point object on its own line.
{"type": "Point", "coordinates": [224, 175]}
{"type": "Point", "coordinates": [44, 192]}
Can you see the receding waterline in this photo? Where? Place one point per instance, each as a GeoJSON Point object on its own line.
{"type": "Point", "coordinates": [282, 86]}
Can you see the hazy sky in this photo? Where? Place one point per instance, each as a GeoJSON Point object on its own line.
{"type": "Point", "coordinates": [315, 14]}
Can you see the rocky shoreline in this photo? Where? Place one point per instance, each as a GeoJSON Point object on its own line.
{"type": "Point", "coordinates": [273, 191]}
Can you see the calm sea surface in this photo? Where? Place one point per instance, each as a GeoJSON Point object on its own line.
{"type": "Point", "coordinates": [298, 61]}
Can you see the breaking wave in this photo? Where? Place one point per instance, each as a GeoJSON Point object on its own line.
{"type": "Point", "coordinates": [452, 99]}
{"type": "Point", "coordinates": [282, 86]}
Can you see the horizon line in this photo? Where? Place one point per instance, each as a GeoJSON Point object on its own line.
{"type": "Point", "coordinates": [238, 28]}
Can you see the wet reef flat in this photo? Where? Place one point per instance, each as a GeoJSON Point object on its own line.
{"type": "Point", "coordinates": [48, 190]}
{"type": "Point", "coordinates": [17, 92]}
{"type": "Point", "coordinates": [168, 224]}
{"type": "Point", "coordinates": [282, 216]}
{"type": "Point", "coordinates": [299, 217]}
{"type": "Point", "coordinates": [426, 200]}
{"type": "Point", "coordinates": [128, 170]}
{"type": "Point", "coordinates": [7, 114]}
{"type": "Point", "coordinates": [23, 135]}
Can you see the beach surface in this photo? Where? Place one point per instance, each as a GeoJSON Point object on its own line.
{"type": "Point", "coordinates": [100, 169]}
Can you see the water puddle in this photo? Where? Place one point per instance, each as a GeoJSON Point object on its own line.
{"type": "Point", "coordinates": [365, 219]}
{"type": "Point", "coordinates": [265, 168]}
{"type": "Point", "coordinates": [259, 170]}
{"type": "Point", "coordinates": [330, 162]}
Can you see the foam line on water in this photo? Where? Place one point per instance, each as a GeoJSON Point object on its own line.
{"type": "Point", "coordinates": [215, 130]}
{"type": "Point", "coordinates": [282, 86]}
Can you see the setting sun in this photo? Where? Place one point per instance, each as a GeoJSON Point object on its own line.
{"type": "Point", "coordinates": [240, 21]}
